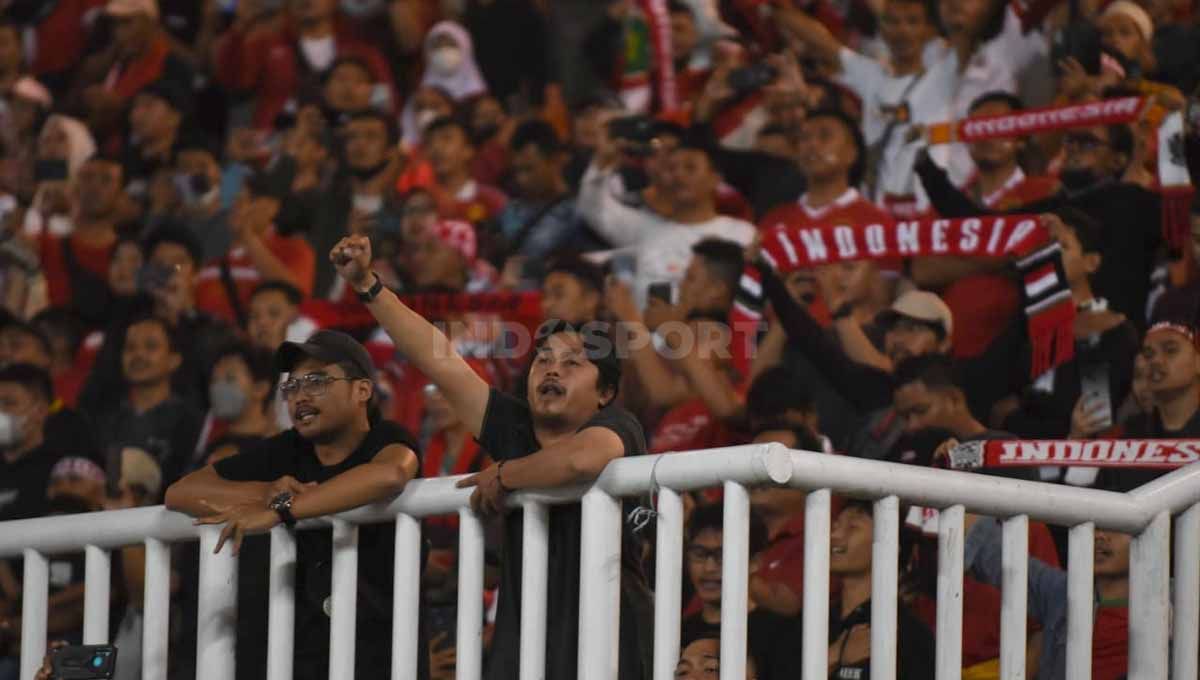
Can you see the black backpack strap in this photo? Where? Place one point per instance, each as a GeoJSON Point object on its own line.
{"type": "Point", "coordinates": [231, 292]}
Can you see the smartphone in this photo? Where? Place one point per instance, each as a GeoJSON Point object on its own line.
{"type": "Point", "coordinates": [50, 170]}
{"type": "Point", "coordinates": [1093, 384]}
{"type": "Point", "coordinates": [84, 662]}
{"type": "Point", "coordinates": [624, 267]}
{"type": "Point", "coordinates": [661, 290]}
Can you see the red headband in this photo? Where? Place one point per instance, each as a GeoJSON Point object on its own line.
{"type": "Point", "coordinates": [1166, 326]}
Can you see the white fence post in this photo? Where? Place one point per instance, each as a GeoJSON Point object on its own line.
{"type": "Point", "coordinates": [469, 662]}
{"type": "Point", "coordinates": [156, 610]}
{"type": "Point", "coordinates": [1186, 617]}
{"type": "Point", "coordinates": [406, 598]}
{"type": "Point", "coordinates": [216, 625]}
{"type": "Point", "coordinates": [96, 586]}
{"type": "Point", "coordinates": [668, 570]}
{"type": "Point", "coordinates": [35, 605]}
{"type": "Point", "coordinates": [281, 612]}
{"type": "Point", "coordinates": [343, 618]}
{"type": "Point", "coordinates": [815, 650]}
{"type": "Point", "coordinates": [949, 593]}
{"type": "Point", "coordinates": [1014, 593]}
{"type": "Point", "coordinates": [1081, 599]}
{"type": "Point", "coordinates": [1148, 599]}
{"type": "Point", "coordinates": [599, 586]}
{"type": "Point", "coordinates": [885, 576]}
{"type": "Point", "coordinates": [735, 568]}
{"type": "Point", "coordinates": [535, 556]}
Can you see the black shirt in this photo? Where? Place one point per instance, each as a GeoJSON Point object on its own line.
{"type": "Point", "coordinates": [508, 433]}
{"type": "Point", "coordinates": [1143, 426]}
{"type": "Point", "coordinates": [168, 432]}
{"type": "Point", "coordinates": [914, 644]}
{"type": "Point", "coordinates": [23, 484]}
{"type": "Point", "coordinates": [773, 641]}
{"type": "Point", "coordinates": [290, 454]}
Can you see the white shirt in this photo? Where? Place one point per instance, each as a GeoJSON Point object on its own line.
{"type": "Point", "coordinates": [662, 247]}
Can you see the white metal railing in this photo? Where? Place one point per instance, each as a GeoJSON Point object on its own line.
{"type": "Point", "coordinates": [1145, 513]}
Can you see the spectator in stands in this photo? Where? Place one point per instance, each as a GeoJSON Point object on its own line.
{"type": "Point", "coordinates": [352, 456]}
{"type": "Point", "coordinates": [76, 265]}
{"type": "Point", "coordinates": [76, 484]}
{"type": "Point", "coordinates": [28, 103]}
{"type": "Point", "coordinates": [767, 632]}
{"type": "Point", "coordinates": [572, 291]}
{"type": "Point", "coordinates": [242, 399]}
{"type": "Point", "coordinates": [197, 179]}
{"type": "Point", "coordinates": [850, 539]}
{"type": "Point", "coordinates": [661, 246]}
{"type": "Point", "coordinates": [259, 253]}
{"type": "Point", "coordinates": [281, 63]}
{"type": "Point", "coordinates": [451, 76]}
{"type": "Point", "coordinates": [1127, 29]}
{"type": "Point", "coordinates": [1048, 598]}
{"type": "Point", "coordinates": [566, 434]}
{"type": "Point", "coordinates": [25, 460]}
{"type": "Point", "coordinates": [450, 150]}
{"type": "Point", "coordinates": [349, 87]}
{"type": "Point", "coordinates": [928, 395]}
{"type": "Point", "coordinates": [540, 220]}
{"type": "Point", "coordinates": [139, 55]}
{"type": "Point", "coordinates": [150, 415]}
{"type": "Point", "coordinates": [701, 660]}
{"type": "Point", "coordinates": [363, 204]}
{"type": "Point", "coordinates": [274, 315]}
{"type": "Point", "coordinates": [64, 144]}
{"type": "Point", "coordinates": [156, 118]}
{"type": "Point", "coordinates": [444, 259]}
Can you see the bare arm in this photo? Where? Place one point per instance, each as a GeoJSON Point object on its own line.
{"type": "Point", "coordinates": [806, 29]}
{"type": "Point", "coordinates": [664, 387]}
{"type": "Point", "coordinates": [383, 478]}
{"type": "Point", "coordinates": [198, 492]}
{"type": "Point", "coordinates": [859, 347]}
{"type": "Point", "coordinates": [774, 596]}
{"type": "Point", "coordinates": [418, 340]}
{"type": "Point", "coordinates": [711, 383]}
{"type": "Point", "coordinates": [574, 460]}
{"type": "Point", "coordinates": [269, 265]}
{"type": "Point", "coordinates": [770, 351]}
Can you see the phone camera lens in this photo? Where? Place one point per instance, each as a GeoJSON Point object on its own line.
{"type": "Point", "coordinates": [97, 661]}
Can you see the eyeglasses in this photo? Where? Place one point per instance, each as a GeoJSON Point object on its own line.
{"type": "Point", "coordinates": [313, 384]}
{"type": "Point", "coordinates": [1084, 142]}
{"type": "Point", "coordinates": [700, 554]}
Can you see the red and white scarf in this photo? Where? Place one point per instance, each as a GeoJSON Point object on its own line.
{"type": "Point", "coordinates": [1161, 454]}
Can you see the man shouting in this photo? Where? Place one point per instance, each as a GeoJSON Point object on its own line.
{"type": "Point", "coordinates": [562, 429]}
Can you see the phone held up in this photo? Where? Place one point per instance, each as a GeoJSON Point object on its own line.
{"type": "Point", "coordinates": [83, 662]}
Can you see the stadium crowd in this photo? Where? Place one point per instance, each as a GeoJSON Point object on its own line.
{"type": "Point", "coordinates": [179, 178]}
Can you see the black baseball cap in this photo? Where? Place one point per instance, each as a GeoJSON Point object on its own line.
{"type": "Point", "coordinates": [329, 346]}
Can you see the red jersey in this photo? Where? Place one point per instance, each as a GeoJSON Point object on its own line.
{"type": "Point", "coordinates": [475, 203]}
{"type": "Point", "coordinates": [211, 295]}
{"type": "Point", "coordinates": [91, 259]}
{"type": "Point", "coordinates": [690, 426]}
{"type": "Point", "coordinates": [851, 208]}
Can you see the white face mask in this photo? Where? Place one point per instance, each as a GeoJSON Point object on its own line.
{"type": "Point", "coordinates": [444, 61]}
{"type": "Point", "coordinates": [227, 399]}
{"type": "Point", "coordinates": [11, 427]}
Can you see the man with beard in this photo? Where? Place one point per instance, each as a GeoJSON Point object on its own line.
{"type": "Point", "coordinates": [340, 455]}
{"type": "Point", "coordinates": [563, 430]}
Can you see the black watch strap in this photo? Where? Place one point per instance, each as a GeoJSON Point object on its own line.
{"type": "Point", "coordinates": [372, 292]}
{"type": "Point", "coordinates": [282, 505]}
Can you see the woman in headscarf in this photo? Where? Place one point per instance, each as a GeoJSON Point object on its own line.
{"type": "Point", "coordinates": [449, 68]}
{"type": "Point", "coordinates": [67, 143]}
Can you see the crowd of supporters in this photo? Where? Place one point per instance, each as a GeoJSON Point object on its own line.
{"type": "Point", "coordinates": [175, 173]}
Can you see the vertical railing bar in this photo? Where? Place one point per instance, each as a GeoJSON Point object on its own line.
{"type": "Point", "coordinates": [735, 580]}
{"type": "Point", "coordinates": [1186, 616]}
{"type": "Point", "coordinates": [216, 616]}
{"type": "Point", "coordinates": [1014, 591]}
{"type": "Point", "coordinates": [406, 598]}
{"type": "Point", "coordinates": [469, 662]}
{"type": "Point", "coordinates": [668, 571]}
{"type": "Point", "coordinates": [281, 613]}
{"type": "Point", "coordinates": [599, 586]}
{"type": "Point", "coordinates": [1149, 583]}
{"type": "Point", "coordinates": [1081, 600]}
{"type": "Point", "coordinates": [343, 617]}
{"type": "Point", "coordinates": [97, 582]}
{"type": "Point", "coordinates": [885, 575]}
{"type": "Point", "coordinates": [815, 650]}
{"type": "Point", "coordinates": [535, 569]}
{"type": "Point", "coordinates": [156, 610]}
{"type": "Point", "coordinates": [949, 593]}
{"type": "Point", "coordinates": [35, 606]}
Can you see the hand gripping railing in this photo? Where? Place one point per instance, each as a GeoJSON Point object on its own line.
{"type": "Point", "coordinates": [1145, 513]}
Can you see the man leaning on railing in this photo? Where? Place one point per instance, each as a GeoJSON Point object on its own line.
{"type": "Point", "coordinates": [564, 430]}
{"type": "Point", "coordinates": [340, 455]}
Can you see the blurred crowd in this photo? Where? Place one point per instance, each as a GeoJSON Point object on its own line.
{"type": "Point", "coordinates": [174, 173]}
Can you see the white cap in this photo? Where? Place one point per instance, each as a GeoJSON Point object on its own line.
{"type": "Point", "coordinates": [1134, 13]}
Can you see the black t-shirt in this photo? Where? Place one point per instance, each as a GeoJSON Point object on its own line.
{"type": "Point", "coordinates": [1144, 426]}
{"type": "Point", "coordinates": [508, 433]}
{"type": "Point", "coordinates": [23, 484]}
{"type": "Point", "coordinates": [290, 454]}
{"type": "Point", "coordinates": [773, 641]}
{"type": "Point", "coordinates": [168, 432]}
{"type": "Point", "coordinates": [914, 644]}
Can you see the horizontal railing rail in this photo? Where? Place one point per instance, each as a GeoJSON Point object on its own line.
{"type": "Point", "coordinates": [1144, 513]}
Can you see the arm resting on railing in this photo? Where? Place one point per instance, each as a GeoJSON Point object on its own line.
{"type": "Point", "coordinates": [578, 458]}
{"type": "Point", "coordinates": [383, 478]}
{"type": "Point", "coordinates": [198, 492]}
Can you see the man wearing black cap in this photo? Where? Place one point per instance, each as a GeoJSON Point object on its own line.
{"type": "Point", "coordinates": [340, 455]}
{"type": "Point", "coordinates": [562, 429]}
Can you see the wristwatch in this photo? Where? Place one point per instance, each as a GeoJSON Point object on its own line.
{"type": "Point", "coordinates": [282, 505]}
{"type": "Point", "coordinates": [372, 292]}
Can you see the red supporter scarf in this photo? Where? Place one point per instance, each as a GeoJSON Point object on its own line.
{"type": "Point", "coordinates": [1160, 454]}
{"type": "Point", "coordinates": [1175, 184]}
{"type": "Point", "coordinates": [659, 23]}
{"type": "Point", "coordinates": [1049, 309]}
